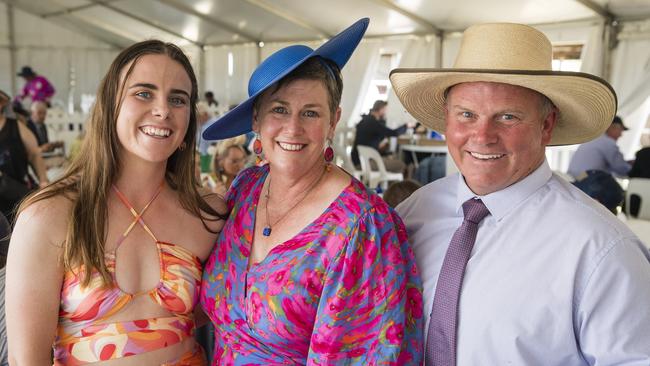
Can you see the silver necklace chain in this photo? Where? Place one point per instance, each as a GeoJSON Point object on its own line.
{"type": "Point", "coordinates": [269, 227]}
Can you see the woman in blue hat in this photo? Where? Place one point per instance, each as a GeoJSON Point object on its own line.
{"type": "Point", "coordinates": [310, 268]}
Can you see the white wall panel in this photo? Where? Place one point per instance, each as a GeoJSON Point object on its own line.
{"type": "Point", "coordinates": [4, 25]}
{"type": "Point", "coordinates": [229, 89]}
{"type": "Point", "coordinates": [61, 55]}
{"type": "Point", "coordinates": [5, 77]}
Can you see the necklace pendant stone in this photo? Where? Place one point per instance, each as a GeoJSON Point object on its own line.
{"type": "Point", "coordinates": [266, 231]}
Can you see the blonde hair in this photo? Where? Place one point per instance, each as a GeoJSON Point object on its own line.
{"type": "Point", "coordinates": [221, 152]}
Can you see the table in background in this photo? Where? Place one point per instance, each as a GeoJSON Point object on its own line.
{"type": "Point", "coordinates": [431, 149]}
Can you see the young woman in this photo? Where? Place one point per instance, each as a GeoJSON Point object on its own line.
{"type": "Point", "coordinates": [105, 263]}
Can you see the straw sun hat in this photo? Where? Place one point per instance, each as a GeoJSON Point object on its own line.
{"type": "Point", "coordinates": [512, 54]}
{"type": "Point", "coordinates": [240, 119]}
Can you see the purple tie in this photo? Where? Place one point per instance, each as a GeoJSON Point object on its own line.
{"type": "Point", "coordinates": [441, 338]}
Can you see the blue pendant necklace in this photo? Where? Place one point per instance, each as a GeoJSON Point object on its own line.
{"type": "Point", "coordinates": [268, 228]}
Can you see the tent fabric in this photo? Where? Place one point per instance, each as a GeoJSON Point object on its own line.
{"type": "Point", "coordinates": [73, 45]}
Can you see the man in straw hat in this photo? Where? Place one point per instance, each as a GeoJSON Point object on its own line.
{"type": "Point", "coordinates": [554, 278]}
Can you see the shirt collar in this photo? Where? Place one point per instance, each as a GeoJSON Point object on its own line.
{"type": "Point", "coordinates": [499, 203]}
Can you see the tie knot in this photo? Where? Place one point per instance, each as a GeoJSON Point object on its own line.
{"type": "Point", "coordinates": [474, 210]}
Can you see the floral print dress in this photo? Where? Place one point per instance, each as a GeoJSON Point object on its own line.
{"type": "Point", "coordinates": [344, 291]}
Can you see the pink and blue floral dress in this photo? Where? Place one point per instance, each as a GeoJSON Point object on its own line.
{"type": "Point", "coordinates": [344, 291]}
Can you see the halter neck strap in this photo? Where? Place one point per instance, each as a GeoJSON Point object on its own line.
{"type": "Point", "coordinates": [137, 215]}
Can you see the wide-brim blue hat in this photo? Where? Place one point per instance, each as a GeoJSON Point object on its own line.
{"type": "Point", "coordinates": [239, 120]}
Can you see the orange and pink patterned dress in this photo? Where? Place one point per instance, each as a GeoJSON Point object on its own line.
{"type": "Point", "coordinates": [85, 335]}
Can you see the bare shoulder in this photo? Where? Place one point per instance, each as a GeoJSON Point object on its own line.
{"type": "Point", "coordinates": [34, 277]}
{"type": "Point", "coordinates": [339, 180]}
{"type": "Point", "coordinates": [44, 222]}
{"type": "Point", "coordinates": [25, 132]}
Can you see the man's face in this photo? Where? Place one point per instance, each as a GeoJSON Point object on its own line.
{"type": "Point", "coordinates": [496, 133]}
{"type": "Point", "coordinates": [381, 114]}
{"type": "Point", "coordinates": [38, 113]}
{"type": "Point", "coordinates": [615, 131]}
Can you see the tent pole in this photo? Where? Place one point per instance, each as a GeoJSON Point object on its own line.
{"type": "Point", "coordinates": [441, 38]}
{"type": "Point", "coordinates": [202, 67]}
{"type": "Point", "coordinates": [12, 47]}
{"type": "Point", "coordinates": [607, 54]}
{"type": "Point", "coordinates": [610, 38]}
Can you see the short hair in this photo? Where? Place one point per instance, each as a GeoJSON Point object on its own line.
{"type": "Point", "coordinates": [209, 94]}
{"type": "Point", "coordinates": [547, 105]}
{"type": "Point", "coordinates": [378, 105]}
{"type": "Point", "coordinates": [38, 104]}
{"type": "Point", "coordinates": [315, 68]}
{"type": "Point", "coordinates": [399, 191]}
{"type": "Point", "coordinates": [223, 149]}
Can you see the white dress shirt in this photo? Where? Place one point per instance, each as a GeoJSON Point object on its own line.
{"type": "Point", "coordinates": [553, 279]}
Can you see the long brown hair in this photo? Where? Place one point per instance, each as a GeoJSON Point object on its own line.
{"type": "Point", "coordinates": [88, 180]}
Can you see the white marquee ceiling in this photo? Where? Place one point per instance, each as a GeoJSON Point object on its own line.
{"type": "Point", "coordinates": [220, 22]}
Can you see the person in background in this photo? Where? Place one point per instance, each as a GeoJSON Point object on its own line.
{"type": "Point", "coordinates": [36, 124]}
{"type": "Point", "coordinates": [37, 87]}
{"type": "Point", "coordinates": [399, 191]}
{"type": "Point", "coordinates": [18, 149]}
{"type": "Point", "coordinates": [311, 268]}
{"type": "Point", "coordinates": [203, 115]}
{"type": "Point", "coordinates": [229, 159]}
{"type": "Point", "coordinates": [602, 187]}
{"type": "Point", "coordinates": [5, 234]}
{"type": "Point", "coordinates": [105, 263]}
{"type": "Point", "coordinates": [209, 98]}
{"type": "Point", "coordinates": [641, 165]}
{"type": "Point", "coordinates": [213, 104]}
{"type": "Point", "coordinates": [601, 153]}
{"type": "Point", "coordinates": [371, 131]}
{"type": "Point", "coordinates": [640, 169]}
{"type": "Point", "coordinates": [519, 266]}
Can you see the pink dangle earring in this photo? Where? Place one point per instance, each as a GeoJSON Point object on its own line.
{"type": "Point", "coordinates": [257, 149]}
{"type": "Point", "coordinates": [328, 154]}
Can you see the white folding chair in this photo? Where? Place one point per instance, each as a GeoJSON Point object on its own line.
{"type": "Point", "coordinates": [375, 177]}
{"type": "Point", "coordinates": [641, 188]}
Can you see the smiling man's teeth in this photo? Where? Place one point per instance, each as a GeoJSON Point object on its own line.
{"type": "Point", "coordinates": [291, 147]}
{"type": "Point", "coordinates": [158, 132]}
{"type": "Point", "coordinates": [485, 156]}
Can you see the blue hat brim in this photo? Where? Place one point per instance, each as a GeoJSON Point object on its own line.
{"type": "Point", "coordinates": [239, 120]}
